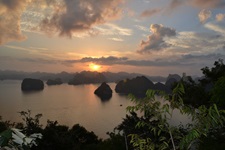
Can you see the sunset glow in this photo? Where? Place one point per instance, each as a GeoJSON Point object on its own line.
{"type": "Point", "coordinates": [94, 67]}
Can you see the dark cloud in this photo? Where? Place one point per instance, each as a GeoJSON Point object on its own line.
{"type": "Point", "coordinates": [80, 15]}
{"type": "Point", "coordinates": [112, 60]}
{"type": "Point", "coordinates": [102, 60]}
{"type": "Point", "coordinates": [200, 60]}
{"type": "Point", "coordinates": [149, 13]}
{"type": "Point", "coordinates": [183, 60]}
{"type": "Point", "coordinates": [156, 41]}
{"type": "Point", "coordinates": [62, 17]}
{"type": "Point", "coordinates": [188, 61]}
{"type": "Point", "coordinates": [211, 56]}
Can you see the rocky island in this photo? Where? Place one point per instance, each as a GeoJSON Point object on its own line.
{"type": "Point", "coordinates": [104, 91]}
{"type": "Point", "coordinates": [137, 86]}
{"type": "Point", "coordinates": [29, 84]}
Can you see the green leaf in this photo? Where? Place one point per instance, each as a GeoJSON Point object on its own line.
{"type": "Point", "coordinates": [159, 132]}
{"type": "Point", "coordinates": [5, 136]}
{"type": "Point", "coordinates": [215, 107]}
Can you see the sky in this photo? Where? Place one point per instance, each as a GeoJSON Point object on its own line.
{"type": "Point", "coordinates": [152, 37]}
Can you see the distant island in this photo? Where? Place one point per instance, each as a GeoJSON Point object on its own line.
{"type": "Point", "coordinates": [57, 81]}
{"type": "Point", "coordinates": [87, 77]}
{"type": "Point", "coordinates": [73, 77]}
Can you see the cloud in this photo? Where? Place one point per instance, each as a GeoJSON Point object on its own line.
{"type": "Point", "coordinates": [112, 29]}
{"type": "Point", "coordinates": [215, 27]}
{"type": "Point", "coordinates": [204, 15]}
{"type": "Point", "coordinates": [10, 11]}
{"type": "Point", "coordinates": [208, 3]}
{"type": "Point", "coordinates": [142, 28]}
{"type": "Point", "coordinates": [175, 4]}
{"type": "Point", "coordinates": [35, 51]}
{"type": "Point", "coordinates": [150, 12]}
{"type": "Point", "coordinates": [220, 17]}
{"type": "Point", "coordinates": [156, 41]}
{"type": "Point", "coordinates": [203, 4]}
{"type": "Point", "coordinates": [110, 60]}
{"type": "Point", "coordinates": [196, 43]}
{"type": "Point", "coordinates": [116, 39]}
{"type": "Point", "coordinates": [188, 60]}
{"type": "Point", "coordinates": [64, 17]}
{"type": "Point", "coordinates": [76, 16]}
{"type": "Point", "coordinates": [10, 18]}
{"type": "Point", "coordinates": [184, 60]}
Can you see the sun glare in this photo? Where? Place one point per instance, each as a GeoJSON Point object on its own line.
{"type": "Point", "coordinates": [94, 67]}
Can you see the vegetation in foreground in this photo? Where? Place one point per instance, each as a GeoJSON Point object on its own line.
{"type": "Point", "coordinates": [57, 137]}
{"type": "Point", "coordinates": [204, 102]}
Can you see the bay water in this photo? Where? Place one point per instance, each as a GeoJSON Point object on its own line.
{"type": "Point", "coordinates": [69, 105]}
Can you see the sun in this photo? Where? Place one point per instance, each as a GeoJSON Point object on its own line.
{"type": "Point", "coordinates": [94, 67]}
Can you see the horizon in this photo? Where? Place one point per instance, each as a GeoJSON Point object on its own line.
{"type": "Point", "coordinates": [154, 38]}
{"type": "Point", "coordinates": [193, 76]}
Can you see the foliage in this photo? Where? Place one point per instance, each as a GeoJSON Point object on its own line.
{"type": "Point", "coordinates": [214, 141]}
{"type": "Point", "coordinates": [115, 141]}
{"type": "Point", "coordinates": [14, 139]}
{"type": "Point", "coordinates": [55, 136]}
{"type": "Point", "coordinates": [152, 130]}
{"type": "Point", "coordinates": [32, 124]}
{"type": "Point", "coordinates": [213, 74]}
{"type": "Point", "coordinates": [3, 126]}
{"type": "Point", "coordinates": [194, 94]}
{"type": "Point", "coordinates": [218, 92]}
{"type": "Point", "coordinates": [208, 90]}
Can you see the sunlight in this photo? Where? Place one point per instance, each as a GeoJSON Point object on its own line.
{"type": "Point", "coordinates": [94, 67]}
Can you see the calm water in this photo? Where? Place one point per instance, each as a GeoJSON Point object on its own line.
{"type": "Point", "coordinates": [65, 103]}
{"type": "Point", "coordinates": [68, 105]}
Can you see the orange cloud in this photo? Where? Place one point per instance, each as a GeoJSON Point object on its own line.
{"type": "Point", "coordinates": [150, 12]}
{"type": "Point", "coordinates": [204, 15]}
{"type": "Point", "coordinates": [220, 17]}
{"type": "Point", "coordinates": [10, 11]}
{"type": "Point", "coordinates": [208, 3]}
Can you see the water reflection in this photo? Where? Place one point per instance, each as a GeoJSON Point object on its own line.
{"type": "Point", "coordinates": [31, 92]}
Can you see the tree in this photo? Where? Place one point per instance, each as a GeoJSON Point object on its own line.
{"type": "Point", "coordinates": [194, 94]}
{"type": "Point", "coordinates": [218, 92]}
{"type": "Point", "coordinates": [164, 136]}
{"type": "Point", "coordinates": [213, 74]}
{"type": "Point", "coordinates": [210, 88]}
